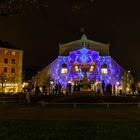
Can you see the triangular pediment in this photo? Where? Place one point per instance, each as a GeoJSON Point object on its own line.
{"type": "Point", "coordinates": [64, 49]}
{"type": "Point", "coordinates": [84, 37]}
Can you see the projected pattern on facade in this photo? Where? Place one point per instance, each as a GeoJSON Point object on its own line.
{"type": "Point", "coordinates": [78, 58]}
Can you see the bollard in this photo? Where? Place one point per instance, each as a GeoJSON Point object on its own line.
{"type": "Point", "coordinates": [3, 102]}
{"type": "Point", "coordinates": [42, 103]}
{"type": "Point", "coordinates": [107, 105]}
{"type": "Point", "coordinates": [74, 105]}
{"type": "Point", "coordinates": [138, 105]}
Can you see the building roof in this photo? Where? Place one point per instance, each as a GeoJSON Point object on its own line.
{"type": "Point", "coordinates": [84, 37]}
{"type": "Point", "coordinates": [6, 44]}
{"type": "Point", "coordinates": [102, 48]}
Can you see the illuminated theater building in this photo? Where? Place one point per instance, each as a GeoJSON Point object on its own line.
{"type": "Point", "coordinates": [85, 62]}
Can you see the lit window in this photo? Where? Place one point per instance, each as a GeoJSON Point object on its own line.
{"type": "Point", "coordinates": [92, 67]}
{"type": "Point", "coordinates": [84, 65]}
{"type": "Point", "coordinates": [5, 60]}
{"type": "Point", "coordinates": [104, 69]}
{"type": "Point", "coordinates": [13, 53]}
{"type": "Point", "coordinates": [76, 66]}
{"type": "Point", "coordinates": [64, 69]}
{"type": "Point", "coordinates": [6, 52]}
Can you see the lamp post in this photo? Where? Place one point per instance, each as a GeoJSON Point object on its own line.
{"type": "Point", "coordinates": [2, 77]}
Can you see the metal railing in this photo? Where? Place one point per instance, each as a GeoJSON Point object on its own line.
{"type": "Point", "coordinates": [5, 100]}
{"type": "Point", "coordinates": [91, 105]}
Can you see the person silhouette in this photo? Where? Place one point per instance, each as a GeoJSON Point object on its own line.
{"type": "Point", "coordinates": [103, 87]}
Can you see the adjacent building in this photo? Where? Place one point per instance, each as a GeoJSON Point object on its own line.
{"type": "Point", "coordinates": [10, 68]}
{"type": "Point", "coordinates": [86, 63]}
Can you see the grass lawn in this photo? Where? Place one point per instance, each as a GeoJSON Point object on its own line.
{"type": "Point", "coordinates": [68, 130]}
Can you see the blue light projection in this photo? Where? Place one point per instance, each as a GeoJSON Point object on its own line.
{"type": "Point", "coordinates": [88, 56]}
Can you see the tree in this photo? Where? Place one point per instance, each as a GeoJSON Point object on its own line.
{"type": "Point", "coordinates": [2, 80]}
{"type": "Point", "coordinates": [12, 7]}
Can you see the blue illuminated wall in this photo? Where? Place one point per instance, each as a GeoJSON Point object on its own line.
{"type": "Point", "coordinates": [114, 70]}
{"type": "Point", "coordinates": [88, 56]}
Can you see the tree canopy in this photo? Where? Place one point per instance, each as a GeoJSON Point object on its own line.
{"type": "Point", "coordinates": [12, 7]}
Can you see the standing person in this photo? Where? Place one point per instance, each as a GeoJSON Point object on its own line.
{"type": "Point", "coordinates": [103, 87]}
{"type": "Point", "coordinates": [107, 89]}
{"type": "Point", "coordinates": [37, 90]}
{"type": "Point", "coordinates": [74, 86]}
{"type": "Point", "coordinates": [98, 89]}
{"type": "Point", "coordinates": [56, 89]}
{"type": "Point", "coordinates": [28, 97]}
{"type": "Point", "coordinates": [78, 86]}
{"type": "Point", "coordinates": [69, 87]}
{"type": "Point", "coordinates": [53, 89]}
{"type": "Point", "coordinates": [110, 89]}
{"type": "Point", "coordinates": [133, 88]}
{"type": "Point", "coordinates": [114, 90]}
{"type": "Point", "coordinates": [59, 88]}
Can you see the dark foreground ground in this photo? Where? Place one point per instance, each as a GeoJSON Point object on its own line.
{"type": "Point", "coordinates": [37, 112]}
{"type": "Point", "coordinates": [35, 121]}
{"type": "Point", "coordinates": [68, 130]}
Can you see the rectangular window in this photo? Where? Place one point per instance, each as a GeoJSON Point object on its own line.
{"type": "Point", "coordinates": [104, 71]}
{"type": "Point", "coordinates": [6, 52]}
{"type": "Point", "coordinates": [13, 53]}
{"type": "Point", "coordinates": [6, 60]}
{"type": "Point", "coordinates": [5, 69]}
{"type": "Point", "coordinates": [13, 61]}
{"type": "Point", "coordinates": [76, 68]}
{"type": "Point", "coordinates": [64, 71]}
{"type": "Point", "coordinates": [91, 68]}
{"type": "Point", "coordinates": [12, 70]}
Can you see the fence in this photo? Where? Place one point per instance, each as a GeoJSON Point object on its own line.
{"type": "Point", "coordinates": [91, 105]}
{"type": "Point", "coordinates": [5, 100]}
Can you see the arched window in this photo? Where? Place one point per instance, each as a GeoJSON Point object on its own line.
{"type": "Point", "coordinates": [84, 65]}
{"type": "Point", "coordinates": [64, 69]}
{"type": "Point", "coordinates": [76, 66]}
{"type": "Point", "coordinates": [104, 69]}
{"type": "Point", "coordinates": [92, 66]}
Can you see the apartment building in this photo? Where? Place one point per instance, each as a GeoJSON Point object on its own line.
{"type": "Point", "coordinates": [10, 68]}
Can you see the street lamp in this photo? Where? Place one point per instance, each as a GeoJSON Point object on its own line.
{"type": "Point", "coordinates": [2, 77]}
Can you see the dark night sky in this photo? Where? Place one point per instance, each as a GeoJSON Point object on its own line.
{"type": "Point", "coordinates": [39, 31]}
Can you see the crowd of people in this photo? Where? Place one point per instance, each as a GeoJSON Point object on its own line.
{"type": "Point", "coordinates": [57, 89]}
{"type": "Point", "coordinates": [107, 89]}
{"type": "Point", "coordinates": [103, 89]}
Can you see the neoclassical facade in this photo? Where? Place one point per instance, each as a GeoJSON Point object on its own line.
{"type": "Point", "coordinates": [85, 62]}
